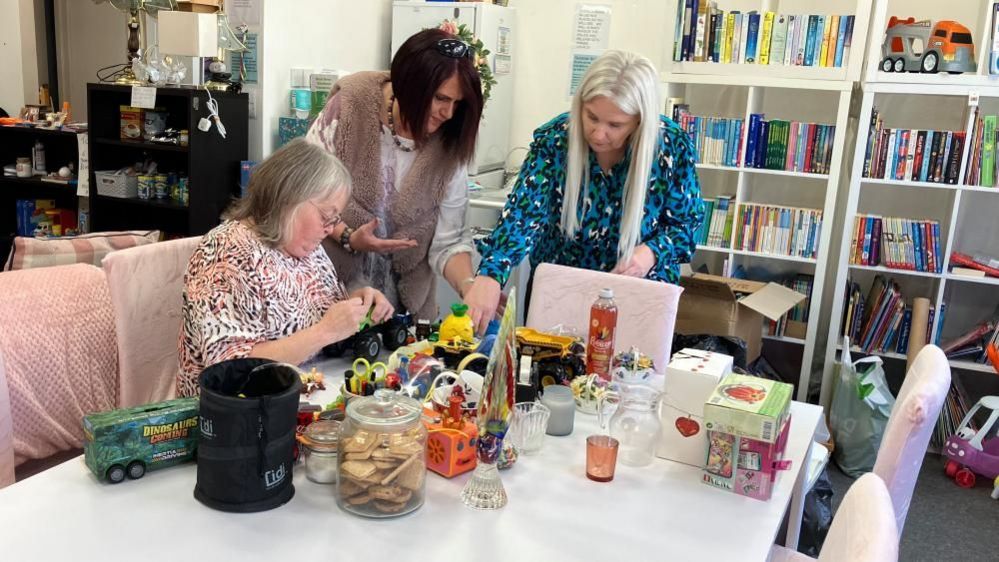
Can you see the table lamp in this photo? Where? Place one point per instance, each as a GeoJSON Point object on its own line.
{"type": "Point", "coordinates": [189, 34]}
{"type": "Point", "coordinates": [134, 23]}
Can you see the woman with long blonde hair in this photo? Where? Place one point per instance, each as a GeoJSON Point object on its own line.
{"type": "Point", "coordinates": [609, 186]}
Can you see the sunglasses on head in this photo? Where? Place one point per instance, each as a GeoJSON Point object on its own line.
{"type": "Point", "coordinates": [455, 49]}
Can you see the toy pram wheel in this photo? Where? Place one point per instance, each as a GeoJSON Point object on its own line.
{"type": "Point", "coordinates": [965, 478]}
{"type": "Point", "coordinates": [950, 468]}
{"type": "Point", "coordinates": [116, 473]}
{"type": "Point", "coordinates": [136, 469]}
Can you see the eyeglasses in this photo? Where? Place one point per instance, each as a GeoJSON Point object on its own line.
{"type": "Point", "coordinates": [455, 49]}
{"type": "Point", "coordinates": [328, 221]}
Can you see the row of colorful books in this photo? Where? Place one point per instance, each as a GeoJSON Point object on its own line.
{"type": "Point", "coordinates": [955, 407]}
{"type": "Point", "coordinates": [716, 230]}
{"type": "Point", "coordinates": [794, 321]}
{"type": "Point", "coordinates": [972, 345]}
{"type": "Point", "coordinates": [912, 154]}
{"type": "Point", "coordinates": [881, 321]}
{"type": "Point", "coordinates": [717, 140]}
{"type": "Point", "coordinates": [704, 33]}
{"type": "Point", "coordinates": [982, 163]}
{"type": "Point", "coordinates": [895, 242]}
{"type": "Point", "coordinates": [774, 229]}
{"type": "Point", "coordinates": [789, 145]}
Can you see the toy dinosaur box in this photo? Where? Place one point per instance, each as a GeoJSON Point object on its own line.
{"type": "Point", "coordinates": [748, 420]}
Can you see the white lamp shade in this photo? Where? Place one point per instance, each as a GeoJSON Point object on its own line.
{"type": "Point", "coordinates": [188, 34]}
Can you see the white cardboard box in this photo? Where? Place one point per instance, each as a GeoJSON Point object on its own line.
{"type": "Point", "coordinates": [691, 376]}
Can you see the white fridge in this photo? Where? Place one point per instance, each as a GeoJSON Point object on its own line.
{"type": "Point", "coordinates": [495, 26]}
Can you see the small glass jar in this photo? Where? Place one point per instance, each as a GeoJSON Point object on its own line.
{"type": "Point", "coordinates": [320, 447]}
{"type": "Point", "coordinates": [23, 167]}
{"type": "Point", "coordinates": [382, 452]}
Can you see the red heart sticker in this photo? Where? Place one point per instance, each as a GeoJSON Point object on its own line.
{"type": "Point", "coordinates": [687, 426]}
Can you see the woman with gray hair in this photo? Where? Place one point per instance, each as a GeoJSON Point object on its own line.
{"type": "Point", "coordinates": [609, 186]}
{"type": "Point", "coordinates": [260, 284]}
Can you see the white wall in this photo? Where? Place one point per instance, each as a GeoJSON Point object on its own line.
{"type": "Point", "coordinates": [21, 70]}
{"type": "Point", "coordinates": [88, 37]}
{"type": "Point", "coordinates": [334, 34]}
{"type": "Point", "coordinates": [542, 47]}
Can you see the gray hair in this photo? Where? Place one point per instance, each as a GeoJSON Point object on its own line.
{"type": "Point", "coordinates": [298, 172]}
{"type": "Point", "coordinates": [631, 82]}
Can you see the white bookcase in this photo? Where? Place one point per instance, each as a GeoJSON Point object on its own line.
{"type": "Point", "coordinates": [796, 93]}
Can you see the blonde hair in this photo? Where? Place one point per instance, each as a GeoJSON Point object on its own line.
{"type": "Point", "coordinates": [298, 172]}
{"type": "Point", "coordinates": [631, 82]}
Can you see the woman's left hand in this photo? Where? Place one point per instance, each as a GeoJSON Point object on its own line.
{"type": "Point", "coordinates": [371, 297]}
{"type": "Point", "coordinates": [639, 265]}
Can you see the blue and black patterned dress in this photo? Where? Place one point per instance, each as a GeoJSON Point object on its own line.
{"type": "Point", "coordinates": [530, 222]}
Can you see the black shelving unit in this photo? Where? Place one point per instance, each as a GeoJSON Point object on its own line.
{"type": "Point", "coordinates": [210, 162]}
{"type": "Point", "coordinates": [60, 150]}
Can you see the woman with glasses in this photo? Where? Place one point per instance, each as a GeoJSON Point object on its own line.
{"type": "Point", "coordinates": [406, 136]}
{"type": "Point", "coordinates": [259, 284]}
{"type": "Point", "coordinates": [609, 186]}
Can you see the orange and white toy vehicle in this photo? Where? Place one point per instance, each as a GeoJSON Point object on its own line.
{"type": "Point", "coordinates": [922, 46]}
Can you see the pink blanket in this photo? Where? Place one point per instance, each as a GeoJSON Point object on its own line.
{"type": "Point", "coordinates": [59, 352]}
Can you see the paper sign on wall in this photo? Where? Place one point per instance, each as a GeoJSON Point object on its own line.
{"type": "Point", "coordinates": [144, 97]}
{"type": "Point", "coordinates": [243, 11]}
{"type": "Point", "coordinates": [578, 65]}
{"type": "Point", "coordinates": [591, 31]}
{"type": "Point", "coordinates": [83, 173]}
{"type": "Point", "coordinates": [244, 64]}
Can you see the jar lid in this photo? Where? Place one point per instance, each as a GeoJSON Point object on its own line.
{"type": "Point", "coordinates": [322, 435]}
{"type": "Point", "coordinates": [385, 408]}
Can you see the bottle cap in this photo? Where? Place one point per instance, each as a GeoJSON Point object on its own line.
{"type": "Point", "coordinates": [607, 293]}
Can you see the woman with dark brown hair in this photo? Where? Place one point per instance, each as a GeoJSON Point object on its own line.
{"type": "Point", "coordinates": [406, 136]}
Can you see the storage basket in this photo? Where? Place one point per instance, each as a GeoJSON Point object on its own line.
{"type": "Point", "coordinates": [113, 184]}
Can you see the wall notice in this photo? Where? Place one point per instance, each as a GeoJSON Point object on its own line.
{"type": "Point", "coordinates": [578, 65]}
{"type": "Point", "coordinates": [591, 31]}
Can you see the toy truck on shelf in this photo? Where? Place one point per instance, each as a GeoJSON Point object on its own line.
{"type": "Point", "coordinates": [128, 442]}
{"type": "Point", "coordinates": [922, 46]}
{"type": "Point", "coordinates": [970, 452]}
{"type": "Point", "coordinates": [368, 342]}
{"type": "Point", "coordinates": [558, 359]}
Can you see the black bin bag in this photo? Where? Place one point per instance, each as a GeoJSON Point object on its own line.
{"type": "Point", "coordinates": [248, 415]}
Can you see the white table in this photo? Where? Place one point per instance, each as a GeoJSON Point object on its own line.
{"type": "Point", "coordinates": [555, 513]}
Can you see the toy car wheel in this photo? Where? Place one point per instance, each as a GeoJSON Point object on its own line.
{"type": "Point", "coordinates": [930, 62]}
{"type": "Point", "coordinates": [367, 346]}
{"type": "Point", "coordinates": [950, 469]}
{"type": "Point", "coordinates": [136, 469]}
{"type": "Point", "coordinates": [887, 65]}
{"type": "Point", "coordinates": [965, 478]}
{"type": "Point", "coordinates": [333, 349]}
{"type": "Point", "coordinates": [116, 473]}
{"type": "Point", "coordinates": [899, 65]}
{"type": "Point", "coordinates": [395, 336]}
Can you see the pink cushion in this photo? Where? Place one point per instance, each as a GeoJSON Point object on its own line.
{"type": "Point", "coordinates": [907, 434]}
{"type": "Point", "coordinates": [147, 286]}
{"type": "Point", "coordinates": [28, 253]}
{"type": "Point", "coordinates": [646, 309]}
{"type": "Point", "coordinates": [6, 432]}
{"type": "Point", "coordinates": [59, 354]}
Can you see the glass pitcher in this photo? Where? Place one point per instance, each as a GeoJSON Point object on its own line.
{"type": "Point", "coordinates": [634, 423]}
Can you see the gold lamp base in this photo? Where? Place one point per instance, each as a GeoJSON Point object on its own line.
{"type": "Point", "coordinates": [216, 86]}
{"type": "Point", "coordinates": [128, 78]}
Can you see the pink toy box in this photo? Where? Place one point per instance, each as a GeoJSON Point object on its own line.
{"type": "Point", "coordinates": [748, 420]}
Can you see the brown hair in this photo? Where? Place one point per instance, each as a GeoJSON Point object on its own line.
{"type": "Point", "coordinates": [418, 70]}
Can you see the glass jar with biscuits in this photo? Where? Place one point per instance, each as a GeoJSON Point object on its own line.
{"type": "Point", "coordinates": [382, 459]}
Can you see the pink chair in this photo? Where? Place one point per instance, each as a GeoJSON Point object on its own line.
{"type": "Point", "coordinates": [917, 408]}
{"type": "Point", "coordinates": [646, 309]}
{"type": "Point", "coordinates": [6, 433]}
{"type": "Point", "coordinates": [147, 284]}
{"type": "Point", "coordinates": [862, 531]}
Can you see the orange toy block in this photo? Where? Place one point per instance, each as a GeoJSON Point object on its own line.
{"type": "Point", "coordinates": [450, 450]}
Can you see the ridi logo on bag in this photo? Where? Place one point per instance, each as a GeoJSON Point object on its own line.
{"type": "Point", "coordinates": [274, 477]}
{"type": "Point", "coordinates": [207, 428]}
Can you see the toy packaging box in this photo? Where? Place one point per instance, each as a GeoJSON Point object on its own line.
{"type": "Point", "coordinates": [290, 128]}
{"type": "Point", "coordinates": [748, 420]}
{"type": "Point", "coordinates": [691, 377]}
{"type": "Point", "coordinates": [153, 435]}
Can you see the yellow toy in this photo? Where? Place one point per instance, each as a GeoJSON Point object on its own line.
{"type": "Point", "coordinates": [457, 325]}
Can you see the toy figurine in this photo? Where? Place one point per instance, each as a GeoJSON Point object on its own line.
{"type": "Point", "coordinates": [947, 47]}
{"type": "Point", "coordinates": [458, 325]}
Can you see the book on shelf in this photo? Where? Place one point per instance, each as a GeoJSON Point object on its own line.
{"type": "Point", "coordinates": [789, 145]}
{"type": "Point", "coordinates": [717, 140]}
{"type": "Point", "coordinates": [980, 263]}
{"type": "Point", "coordinates": [912, 154]}
{"type": "Point", "coordinates": [956, 406]}
{"type": "Point", "coordinates": [967, 272]}
{"type": "Point", "coordinates": [794, 322]}
{"type": "Point", "coordinates": [896, 243]}
{"type": "Point", "coordinates": [716, 230]}
{"type": "Point", "coordinates": [982, 161]}
{"type": "Point", "coordinates": [972, 344]}
{"type": "Point", "coordinates": [994, 36]}
{"type": "Point", "coordinates": [881, 321]}
{"type": "Point", "coordinates": [778, 230]}
{"type": "Point", "coordinates": [705, 33]}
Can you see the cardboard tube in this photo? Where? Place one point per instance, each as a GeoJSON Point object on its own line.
{"type": "Point", "coordinates": [917, 332]}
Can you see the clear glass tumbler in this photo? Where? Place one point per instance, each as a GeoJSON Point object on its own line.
{"type": "Point", "coordinates": [527, 432]}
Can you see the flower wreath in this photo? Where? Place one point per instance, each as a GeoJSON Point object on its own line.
{"type": "Point", "coordinates": [481, 53]}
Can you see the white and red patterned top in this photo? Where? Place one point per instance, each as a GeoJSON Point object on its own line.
{"type": "Point", "coordinates": [239, 292]}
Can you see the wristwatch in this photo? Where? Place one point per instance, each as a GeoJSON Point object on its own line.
{"type": "Point", "coordinates": [345, 239]}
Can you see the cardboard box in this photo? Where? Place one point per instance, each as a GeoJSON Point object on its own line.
{"type": "Point", "coordinates": [711, 305]}
{"type": "Point", "coordinates": [748, 421]}
{"type": "Point", "coordinates": [199, 6]}
{"type": "Point", "coordinates": [691, 376]}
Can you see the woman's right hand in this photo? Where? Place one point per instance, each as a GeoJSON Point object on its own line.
{"type": "Point", "coordinates": [343, 318]}
{"type": "Point", "coordinates": [483, 299]}
{"type": "Point", "coordinates": [363, 239]}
